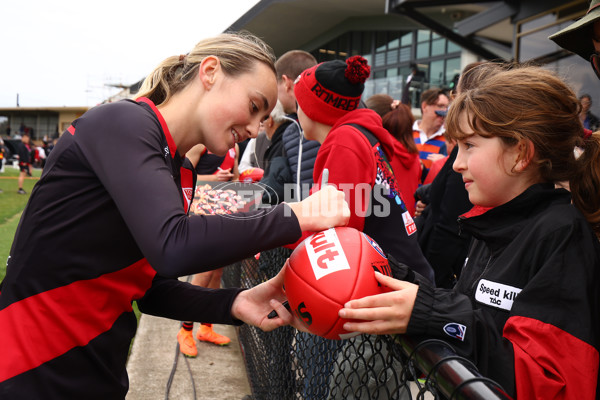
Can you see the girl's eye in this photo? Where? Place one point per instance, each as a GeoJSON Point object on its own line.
{"type": "Point", "coordinates": [465, 144]}
{"type": "Point", "coordinates": [254, 107]}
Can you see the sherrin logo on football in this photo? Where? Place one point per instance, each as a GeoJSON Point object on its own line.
{"type": "Point", "coordinates": [325, 253]}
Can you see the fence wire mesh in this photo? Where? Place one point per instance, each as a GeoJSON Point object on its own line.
{"type": "Point", "coordinates": [288, 364]}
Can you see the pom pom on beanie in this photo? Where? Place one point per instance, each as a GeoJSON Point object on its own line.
{"type": "Point", "coordinates": [330, 90]}
{"type": "Point", "coordinates": [358, 70]}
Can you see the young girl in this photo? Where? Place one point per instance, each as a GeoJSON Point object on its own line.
{"type": "Point", "coordinates": [525, 308]}
{"type": "Point", "coordinates": [107, 224]}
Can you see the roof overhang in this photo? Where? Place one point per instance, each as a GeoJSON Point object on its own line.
{"type": "Point", "coordinates": [482, 27]}
{"type": "Point", "coordinates": [486, 28]}
{"type": "Point", "coordinates": [295, 24]}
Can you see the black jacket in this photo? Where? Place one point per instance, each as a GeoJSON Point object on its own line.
{"type": "Point", "coordinates": [275, 148]}
{"type": "Point", "coordinates": [525, 308]}
{"type": "Point", "coordinates": [298, 148]}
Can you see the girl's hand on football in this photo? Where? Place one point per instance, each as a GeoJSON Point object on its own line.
{"type": "Point", "coordinates": [384, 314]}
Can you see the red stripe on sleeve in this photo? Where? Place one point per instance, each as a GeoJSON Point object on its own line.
{"type": "Point", "coordinates": [551, 363]}
{"type": "Point", "coordinates": [71, 129]}
{"type": "Point", "coordinates": [40, 328]}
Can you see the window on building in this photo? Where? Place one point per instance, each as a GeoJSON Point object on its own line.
{"type": "Point", "coordinates": [423, 43]}
{"type": "Point", "coordinates": [532, 44]}
{"type": "Point", "coordinates": [532, 33]}
{"type": "Point", "coordinates": [436, 73]}
{"type": "Point", "coordinates": [438, 45]}
{"type": "Point", "coordinates": [390, 54]}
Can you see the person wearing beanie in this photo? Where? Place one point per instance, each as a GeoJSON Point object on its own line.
{"type": "Point", "coordinates": [357, 149]}
{"type": "Point", "coordinates": [583, 36]}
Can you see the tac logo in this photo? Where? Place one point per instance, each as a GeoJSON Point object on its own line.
{"type": "Point", "coordinates": [496, 294]}
{"type": "Point", "coordinates": [455, 330]}
{"type": "Point", "coordinates": [325, 253]}
{"type": "Point", "coordinates": [302, 313]}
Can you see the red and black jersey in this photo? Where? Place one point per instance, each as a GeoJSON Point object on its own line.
{"type": "Point", "coordinates": [525, 308]}
{"type": "Point", "coordinates": [107, 224]}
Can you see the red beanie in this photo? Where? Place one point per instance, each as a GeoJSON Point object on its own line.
{"type": "Point", "coordinates": [330, 90]}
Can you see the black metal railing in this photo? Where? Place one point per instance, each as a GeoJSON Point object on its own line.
{"type": "Point", "coordinates": [288, 364]}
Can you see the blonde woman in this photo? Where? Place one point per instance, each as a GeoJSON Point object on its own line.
{"type": "Point", "coordinates": [108, 224]}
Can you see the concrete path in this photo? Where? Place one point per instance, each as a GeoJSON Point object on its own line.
{"type": "Point", "coordinates": [218, 372]}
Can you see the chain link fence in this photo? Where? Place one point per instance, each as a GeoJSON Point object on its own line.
{"type": "Point", "coordinates": [286, 364]}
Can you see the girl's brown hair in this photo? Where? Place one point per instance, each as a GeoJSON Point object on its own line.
{"type": "Point", "coordinates": [534, 106]}
{"type": "Point", "coordinates": [381, 103]}
{"type": "Point", "coordinates": [399, 123]}
{"type": "Point", "coordinates": [237, 53]}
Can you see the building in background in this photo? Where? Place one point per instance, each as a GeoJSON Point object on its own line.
{"type": "Point", "coordinates": [39, 122]}
{"type": "Point", "coordinates": [439, 37]}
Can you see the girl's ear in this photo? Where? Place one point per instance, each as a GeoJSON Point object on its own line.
{"type": "Point", "coordinates": [207, 71]}
{"type": "Point", "coordinates": [526, 152]}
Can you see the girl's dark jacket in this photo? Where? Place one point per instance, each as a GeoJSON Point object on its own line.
{"type": "Point", "coordinates": [526, 307]}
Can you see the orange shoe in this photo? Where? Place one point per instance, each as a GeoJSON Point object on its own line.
{"type": "Point", "coordinates": [207, 334]}
{"type": "Point", "coordinates": [187, 345]}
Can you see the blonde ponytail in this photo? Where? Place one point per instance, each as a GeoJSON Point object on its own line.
{"type": "Point", "coordinates": [237, 52]}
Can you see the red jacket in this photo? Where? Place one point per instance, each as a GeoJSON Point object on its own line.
{"type": "Point", "coordinates": [356, 167]}
{"type": "Point", "coordinates": [407, 170]}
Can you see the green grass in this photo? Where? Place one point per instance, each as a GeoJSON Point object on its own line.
{"type": "Point", "coordinates": [11, 208]}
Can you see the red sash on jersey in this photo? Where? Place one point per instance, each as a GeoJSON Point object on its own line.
{"type": "Point", "coordinates": [186, 176]}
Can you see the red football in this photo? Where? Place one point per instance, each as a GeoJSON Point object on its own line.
{"type": "Point", "coordinates": [328, 269]}
{"type": "Point", "coordinates": [252, 175]}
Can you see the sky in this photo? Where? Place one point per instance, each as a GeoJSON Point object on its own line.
{"type": "Point", "coordinates": [68, 52]}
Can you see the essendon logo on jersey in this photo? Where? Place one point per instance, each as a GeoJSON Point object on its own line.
{"type": "Point", "coordinates": [187, 197]}
{"type": "Point", "coordinates": [325, 253]}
